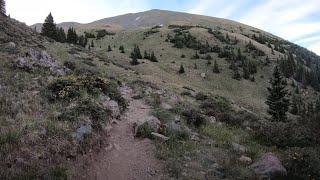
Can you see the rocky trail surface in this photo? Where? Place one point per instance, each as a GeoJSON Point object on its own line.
{"type": "Point", "coordinates": [126, 157]}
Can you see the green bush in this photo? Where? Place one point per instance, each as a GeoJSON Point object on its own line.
{"type": "Point", "coordinates": [194, 117]}
{"type": "Point", "coordinates": [286, 134]}
{"type": "Point", "coordinates": [302, 163]}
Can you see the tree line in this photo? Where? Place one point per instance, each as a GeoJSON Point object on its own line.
{"type": "Point", "coordinates": [49, 29]}
{"type": "Point", "coordinates": [3, 7]}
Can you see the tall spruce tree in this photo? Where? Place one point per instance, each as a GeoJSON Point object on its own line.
{"type": "Point", "coordinates": [3, 7]}
{"type": "Point", "coordinates": [72, 36]}
{"type": "Point", "coordinates": [61, 35]}
{"type": "Point", "coordinates": [277, 100]}
{"type": "Point", "coordinates": [216, 67]}
{"type": "Point", "coordinates": [153, 58]}
{"type": "Point", "coordinates": [49, 28]}
{"type": "Point", "coordinates": [181, 70]}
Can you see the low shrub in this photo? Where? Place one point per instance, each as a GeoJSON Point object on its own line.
{"type": "Point", "coordinates": [302, 163]}
{"type": "Point", "coordinates": [286, 134]}
{"type": "Point", "coordinates": [194, 117]}
{"type": "Point", "coordinates": [201, 96]}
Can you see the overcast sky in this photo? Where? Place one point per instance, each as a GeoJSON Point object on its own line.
{"type": "Point", "coordinates": [294, 20]}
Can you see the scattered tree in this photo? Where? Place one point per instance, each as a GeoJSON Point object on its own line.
{"type": "Point", "coordinates": [136, 53]}
{"type": "Point", "coordinates": [277, 99]}
{"type": "Point", "coordinates": [109, 48]}
{"type": "Point", "coordinates": [72, 36]}
{"type": "Point", "coordinates": [49, 28]}
{"type": "Point", "coordinates": [3, 7]}
{"type": "Point", "coordinates": [181, 70]}
{"type": "Point", "coordinates": [121, 48]}
{"type": "Point", "coordinates": [153, 58]}
{"type": "Point", "coordinates": [216, 67]}
{"type": "Point", "coordinates": [134, 61]}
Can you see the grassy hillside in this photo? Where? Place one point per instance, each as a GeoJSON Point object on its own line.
{"type": "Point", "coordinates": [55, 97]}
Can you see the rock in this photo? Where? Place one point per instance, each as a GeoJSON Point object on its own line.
{"type": "Point", "coordinates": [11, 46]}
{"type": "Point", "coordinates": [166, 106]}
{"type": "Point", "coordinates": [245, 160]}
{"type": "Point", "coordinates": [269, 166]}
{"type": "Point", "coordinates": [160, 137]}
{"type": "Point", "coordinates": [152, 124]}
{"type": "Point", "coordinates": [82, 131]}
{"type": "Point", "coordinates": [203, 75]}
{"type": "Point", "coordinates": [39, 59]}
{"type": "Point", "coordinates": [113, 107]}
{"type": "Point", "coordinates": [238, 148]}
{"type": "Point", "coordinates": [211, 120]}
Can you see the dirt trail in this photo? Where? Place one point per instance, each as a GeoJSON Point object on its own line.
{"type": "Point", "coordinates": [126, 157]}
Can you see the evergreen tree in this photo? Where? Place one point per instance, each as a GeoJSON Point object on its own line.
{"type": "Point", "coordinates": [134, 61]}
{"type": "Point", "coordinates": [236, 74]}
{"type": "Point", "coordinates": [136, 53]}
{"type": "Point", "coordinates": [92, 44]}
{"type": "Point", "coordinates": [121, 48]}
{"type": "Point", "coordinates": [195, 66]}
{"type": "Point", "coordinates": [3, 7]}
{"type": "Point", "coordinates": [196, 56]}
{"type": "Point", "coordinates": [216, 67]}
{"type": "Point", "coordinates": [181, 70]}
{"type": "Point", "coordinates": [72, 36]}
{"type": "Point", "coordinates": [109, 48]}
{"type": "Point", "coordinates": [277, 99]}
{"type": "Point", "coordinates": [82, 41]}
{"type": "Point", "coordinates": [153, 58]}
{"type": "Point", "coordinates": [246, 73]}
{"type": "Point", "coordinates": [317, 107]}
{"type": "Point", "coordinates": [146, 55]}
{"type": "Point", "coordinates": [61, 35]}
{"type": "Point", "coordinates": [49, 28]}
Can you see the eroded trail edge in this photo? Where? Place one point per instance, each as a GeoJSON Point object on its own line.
{"type": "Point", "coordinates": [126, 157]}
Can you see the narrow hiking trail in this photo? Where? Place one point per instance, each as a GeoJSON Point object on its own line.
{"type": "Point", "coordinates": [126, 157]}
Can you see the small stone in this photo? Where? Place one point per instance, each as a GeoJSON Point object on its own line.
{"type": "Point", "coordinates": [238, 148]}
{"type": "Point", "coordinates": [160, 137]}
{"type": "Point", "coordinates": [245, 160]}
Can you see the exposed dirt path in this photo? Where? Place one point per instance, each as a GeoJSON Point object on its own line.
{"type": "Point", "coordinates": [127, 158]}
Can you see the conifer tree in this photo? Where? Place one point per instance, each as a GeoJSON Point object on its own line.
{"type": "Point", "coordinates": [49, 28]}
{"type": "Point", "coordinates": [181, 70]}
{"type": "Point", "coordinates": [146, 55]}
{"type": "Point", "coordinates": [121, 48]}
{"type": "Point", "coordinates": [195, 66]}
{"type": "Point", "coordinates": [216, 67]}
{"type": "Point", "coordinates": [317, 107]}
{"type": "Point", "coordinates": [136, 53]}
{"type": "Point", "coordinates": [134, 61]}
{"type": "Point", "coordinates": [153, 58]}
{"type": "Point", "coordinates": [277, 99]}
{"type": "Point", "coordinates": [109, 48]}
{"type": "Point", "coordinates": [92, 44]}
{"type": "Point", "coordinates": [61, 35]}
{"type": "Point", "coordinates": [72, 36]}
{"type": "Point", "coordinates": [3, 7]}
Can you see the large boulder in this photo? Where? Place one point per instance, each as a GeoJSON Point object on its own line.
{"type": "Point", "coordinates": [39, 59]}
{"type": "Point", "coordinates": [238, 148]}
{"type": "Point", "coordinates": [269, 166]}
{"type": "Point", "coordinates": [113, 106]}
{"type": "Point", "coordinates": [151, 124]}
{"type": "Point", "coordinates": [83, 130]}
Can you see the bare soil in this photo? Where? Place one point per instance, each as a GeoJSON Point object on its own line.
{"type": "Point", "coordinates": [126, 157]}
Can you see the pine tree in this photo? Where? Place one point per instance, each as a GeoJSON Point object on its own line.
{"type": "Point", "coordinates": [109, 48]}
{"type": "Point", "coordinates": [92, 44]}
{"type": "Point", "coordinates": [72, 36]}
{"type": "Point", "coordinates": [49, 28]}
{"type": "Point", "coordinates": [61, 35]}
{"type": "Point", "coordinates": [277, 99]}
{"type": "Point", "coordinates": [196, 56]}
{"type": "Point", "coordinates": [136, 53]}
{"type": "Point", "coordinates": [3, 7]}
{"type": "Point", "coordinates": [216, 67]}
{"type": "Point", "coordinates": [121, 48]}
{"type": "Point", "coordinates": [146, 55]}
{"type": "Point", "coordinates": [153, 58]}
{"type": "Point", "coordinates": [181, 70]}
{"type": "Point", "coordinates": [134, 61]}
{"type": "Point", "coordinates": [195, 66]}
{"type": "Point", "coordinates": [236, 74]}
{"type": "Point", "coordinates": [317, 107]}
